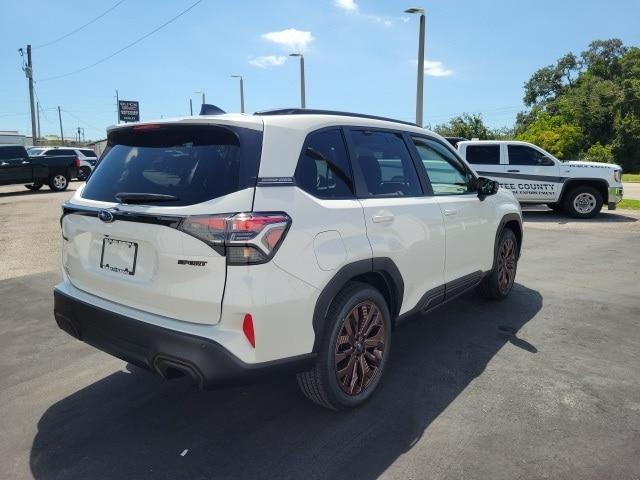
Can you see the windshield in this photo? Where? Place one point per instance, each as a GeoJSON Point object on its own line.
{"type": "Point", "coordinates": [192, 163]}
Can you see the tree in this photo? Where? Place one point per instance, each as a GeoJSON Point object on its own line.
{"type": "Point", "coordinates": [467, 126]}
{"type": "Point", "coordinates": [553, 134]}
{"type": "Point", "coordinates": [598, 153]}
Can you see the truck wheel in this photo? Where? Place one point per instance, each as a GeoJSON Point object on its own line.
{"type": "Point", "coordinates": [583, 202]}
{"type": "Point", "coordinates": [58, 182]}
{"type": "Point", "coordinates": [83, 173]}
{"type": "Point", "coordinates": [499, 282]}
{"type": "Point", "coordinates": [34, 186]}
{"type": "Point", "coordinates": [354, 349]}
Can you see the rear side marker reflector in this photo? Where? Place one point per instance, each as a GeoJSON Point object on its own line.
{"type": "Point", "coordinates": [247, 328]}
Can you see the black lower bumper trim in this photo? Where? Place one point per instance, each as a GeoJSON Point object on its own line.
{"type": "Point", "coordinates": [164, 351]}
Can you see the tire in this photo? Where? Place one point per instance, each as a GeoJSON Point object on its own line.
{"type": "Point", "coordinates": [583, 202]}
{"type": "Point", "coordinates": [556, 207]}
{"type": "Point", "coordinates": [499, 282]}
{"type": "Point", "coordinates": [34, 186]}
{"type": "Point", "coordinates": [83, 173]}
{"type": "Point", "coordinates": [338, 352]}
{"type": "Point", "coordinates": [59, 182]}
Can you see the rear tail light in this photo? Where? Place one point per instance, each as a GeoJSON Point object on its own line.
{"type": "Point", "coordinates": [245, 238]}
{"type": "Point", "coordinates": [77, 162]}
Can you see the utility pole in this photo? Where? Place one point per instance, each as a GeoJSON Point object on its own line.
{"type": "Point", "coordinates": [29, 72]}
{"type": "Point", "coordinates": [191, 107]}
{"type": "Point", "coordinates": [241, 91]}
{"type": "Point", "coordinates": [303, 102]}
{"type": "Point", "coordinates": [38, 118]}
{"type": "Point", "coordinates": [79, 135]}
{"type": "Point", "coordinates": [420, 82]}
{"type": "Point", "coordinates": [117, 107]}
{"type": "Point", "coordinates": [61, 134]}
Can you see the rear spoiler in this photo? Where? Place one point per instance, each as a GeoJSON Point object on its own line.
{"type": "Point", "coordinates": [208, 109]}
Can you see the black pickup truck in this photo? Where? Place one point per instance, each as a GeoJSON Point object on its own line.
{"type": "Point", "coordinates": [17, 167]}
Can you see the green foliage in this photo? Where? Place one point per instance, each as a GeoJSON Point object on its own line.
{"type": "Point", "coordinates": [554, 134]}
{"type": "Point", "coordinates": [598, 153]}
{"type": "Point", "coordinates": [594, 99]}
{"type": "Point", "coordinates": [467, 126]}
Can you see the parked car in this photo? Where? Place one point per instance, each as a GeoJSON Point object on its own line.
{"type": "Point", "coordinates": [536, 176]}
{"type": "Point", "coordinates": [16, 166]}
{"type": "Point", "coordinates": [86, 156]}
{"type": "Point", "coordinates": [227, 247]}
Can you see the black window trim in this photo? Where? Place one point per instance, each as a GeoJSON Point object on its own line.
{"type": "Point", "coordinates": [361, 188]}
{"type": "Point", "coordinates": [456, 155]}
{"type": "Point", "coordinates": [305, 144]}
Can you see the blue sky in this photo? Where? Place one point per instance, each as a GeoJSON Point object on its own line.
{"type": "Point", "coordinates": [360, 55]}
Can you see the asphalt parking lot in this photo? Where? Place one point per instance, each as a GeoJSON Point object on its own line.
{"type": "Point", "coordinates": [543, 385]}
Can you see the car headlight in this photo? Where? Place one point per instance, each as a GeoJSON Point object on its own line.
{"type": "Point", "coordinates": [617, 175]}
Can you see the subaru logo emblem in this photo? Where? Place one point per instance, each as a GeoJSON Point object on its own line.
{"type": "Point", "coordinates": [106, 216]}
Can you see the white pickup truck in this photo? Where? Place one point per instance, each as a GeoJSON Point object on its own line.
{"type": "Point", "coordinates": [535, 176]}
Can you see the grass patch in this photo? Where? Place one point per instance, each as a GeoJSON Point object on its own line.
{"type": "Point", "coordinates": [631, 177]}
{"type": "Point", "coordinates": [629, 204]}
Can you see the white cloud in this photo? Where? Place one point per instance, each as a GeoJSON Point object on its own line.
{"type": "Point", "coordinates": [348, 5]}
{"type": "Point", "coordinates": [266, 61]}
{"type": "Point", "coordinates": [352, 7]}
{"type": "Point", "coordinates": [435, 68]}
{"type": "Point", "coordinates": [290, 39]}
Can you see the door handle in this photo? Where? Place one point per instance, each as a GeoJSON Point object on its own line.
{"type": "Point", "coordinates": [382, 218]}
{"type": "Point", "coordinates": [513, 171]}
{"type": "Point", "coordinates": [450, 211]}
{"type": "Point", "coordinates": [2, 164]}
{"type": "Point", "coordinates": [24, 162]}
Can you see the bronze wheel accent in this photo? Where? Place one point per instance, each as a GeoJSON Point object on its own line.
{"type": "Point", "coordinates": [506, 265]}
{"type": "Point", "coordinates": [359, 348]}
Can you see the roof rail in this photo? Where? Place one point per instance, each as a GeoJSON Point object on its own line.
{"type": "Point", "coordinates": [310, 111]}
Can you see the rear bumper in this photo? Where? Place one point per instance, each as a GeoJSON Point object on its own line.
{"type": "Point", "coordinates": [161, 350]}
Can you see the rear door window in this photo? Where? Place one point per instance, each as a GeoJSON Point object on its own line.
{"type": "Point", "coordinates": [385, 164]}
{"type": "Point", "coordinates": [192, 163]}
{"type": "Point", "coordinates": [11, 153]}
{"type": "Point", "coordinates": [88, 153]}
{"type": "Point", "coordinates": [483, 154]}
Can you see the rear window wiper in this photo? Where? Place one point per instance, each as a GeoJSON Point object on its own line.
{"type": "Point", "coordinates": [129, 197]}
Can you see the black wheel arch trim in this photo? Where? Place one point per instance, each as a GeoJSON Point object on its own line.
{"type": "Point", "coordinates": [383, 266]}
{"type": "Point", "coordinates": [572, 183]}
{"type": "Point", "coordinates": [509, 217]}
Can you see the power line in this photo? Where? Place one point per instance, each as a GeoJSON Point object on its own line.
{"type": "Point", "coordinates": [123, 48]}
{"type": "Point", "coordinates": [79, 28]}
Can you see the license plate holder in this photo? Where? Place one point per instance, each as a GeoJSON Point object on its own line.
{"type": "Point", "coordinates": [119, 256]}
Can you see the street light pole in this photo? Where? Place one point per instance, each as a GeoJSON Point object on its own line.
{"type": "Point", "coordinates": [241, 91]}
{"type": "Point", "coordinates": [420, 83]}
{"type": "Point", "coordinates": [303, 102]}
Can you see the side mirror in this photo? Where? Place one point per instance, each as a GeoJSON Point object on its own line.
{"type": "Point", "coordinates": [486, 187]}
{"type": "Point", "coordinates": [546, 162]}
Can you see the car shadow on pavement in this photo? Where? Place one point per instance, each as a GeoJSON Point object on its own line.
{"type": "Point", "coordinates": [549, 216]}
{"type": "Point", "coordinates": [134, 425]}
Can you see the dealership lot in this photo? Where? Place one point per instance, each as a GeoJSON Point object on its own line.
{"type": "Point", "coordinates": [543, 385]}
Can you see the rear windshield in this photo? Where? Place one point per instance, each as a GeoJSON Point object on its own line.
{"type": "Point", "coordinates": [192, 163]}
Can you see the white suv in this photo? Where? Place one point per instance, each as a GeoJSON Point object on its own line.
{"type": "Point", "coordinates": [226, 247]}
